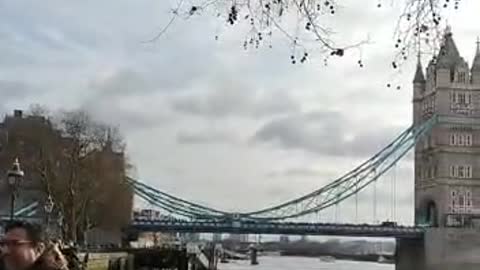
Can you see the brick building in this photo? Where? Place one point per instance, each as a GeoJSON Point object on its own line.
{"type": "Point", "coordinates": [14, 138]}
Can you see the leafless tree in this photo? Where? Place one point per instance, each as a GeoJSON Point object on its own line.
{"type": "Point", "coordinates": [81, 165]}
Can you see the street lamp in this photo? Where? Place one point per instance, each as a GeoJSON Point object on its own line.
{"type": "Point", "coordinates": [60, 224]}
{"type": "Point", "coordinates": [14, 176]}
{"type": "Point", "coordinates": [49, 204]}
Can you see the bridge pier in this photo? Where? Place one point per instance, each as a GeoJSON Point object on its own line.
{"type": "Point", "coordinates": [253, 256]}
{"type": "Point", "coordinates": [410, 254]}
{"type": "Point", "coordinates": [440, 249]}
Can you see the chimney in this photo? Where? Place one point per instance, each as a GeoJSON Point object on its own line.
{"type": "Point", "coordinates": [18, 113]}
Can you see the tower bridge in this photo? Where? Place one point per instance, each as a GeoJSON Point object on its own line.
{"type": "Point", "coordinates": [445, 136]}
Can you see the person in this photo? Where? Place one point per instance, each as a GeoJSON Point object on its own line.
{"type": "Point", "coordinates": [23, 247]}
{"type": "Point", "coordinates": [51, 259]}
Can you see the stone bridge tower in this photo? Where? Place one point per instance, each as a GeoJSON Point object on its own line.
{"type": "Point", "coordinates": [447, 162]}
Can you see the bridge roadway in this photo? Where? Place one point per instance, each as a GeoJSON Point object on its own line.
{"type": "Point", "coordinates": [288, 228]}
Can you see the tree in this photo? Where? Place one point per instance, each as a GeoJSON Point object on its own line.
{"type": "Point", "coordinates": [81, 165]}
{"type": "Point", "coordinates": [38, 110]}
{"type": "Point", "coordinates": [417, 28]}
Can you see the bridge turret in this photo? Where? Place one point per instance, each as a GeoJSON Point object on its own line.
{"type": "Point", "coordinates": [446, 159]}
{"type": "Point", "coordinates": [475, 78]}
{"type": "Point", "coordinates": [419, 84]}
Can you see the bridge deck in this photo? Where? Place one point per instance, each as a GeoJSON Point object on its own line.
{"type": "Point", "coordinates": [279, 228]}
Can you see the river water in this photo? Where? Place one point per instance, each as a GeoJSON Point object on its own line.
{"type": "Point", "coordinates": [302, 263]}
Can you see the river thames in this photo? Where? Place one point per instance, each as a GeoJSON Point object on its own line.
{"type": "Point", "coordinates": [302, 263]}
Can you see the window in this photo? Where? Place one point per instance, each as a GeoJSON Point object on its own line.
{"type": "Point", "coordinates": [461, 171]}
{"type": "Point", "coordinates": [453, 96]}
{"type": "Point", "coordinates": [453, 171]}
{"type": "Point", "coordinates": [461, 199]}
{"type": "Point", "coordinates": [468, 172]}
{"type": "Point", "coordinates": [461, 139]}
{"type": "Point", "coordinates": [462, 98]}
{"type": "Point", "coordinates": [428, 106]}
{"type": "Point", "coordinates": [468, 139]}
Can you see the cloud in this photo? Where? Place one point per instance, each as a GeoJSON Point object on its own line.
{"type": "Point", "coordinates": [226, 96]}
{"type": "Point", "coordinates": [184, 137]}
{"type": "Point", "coordinates": [325, 133]}
{"type": "Point", "coordinates": [10, 90]}
{"type": "Point", "coordinates": [120, 83]}
{"type": "Point", "coordinates": [299, 172]}
{"type": "Point", "coordinates": [225, 117]}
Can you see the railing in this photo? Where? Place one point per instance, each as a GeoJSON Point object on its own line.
{"type": "Point", "coordinates": [281, 228]}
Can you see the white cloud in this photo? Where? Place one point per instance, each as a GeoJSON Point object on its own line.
{"type": "Point", "coordinates": [190, 106]}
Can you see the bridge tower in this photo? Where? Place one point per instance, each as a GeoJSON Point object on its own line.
{"type": "Point", "coordinates": [447, 161]}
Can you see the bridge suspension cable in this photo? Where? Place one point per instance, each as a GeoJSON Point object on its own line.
{"type": "Point", "coordinates": [171, 203]}
{"type": "Point", "coordinates": [375, 200]}
{"type": "Point", "coordinates": [331, 194]}
{"type": "Point", "coordinates": [344, 187]}
{"type": "Point", "coordinates": [356, 204]}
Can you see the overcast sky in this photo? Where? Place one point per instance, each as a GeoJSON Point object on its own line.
{"type": "Point", "coordinates": [208, 121]}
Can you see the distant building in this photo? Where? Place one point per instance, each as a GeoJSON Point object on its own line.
{"type": "Point", "coordinates": [15, 132]}
{"type": "Point", "coordinates": [150, 239]}
{"type": "Point", "coordinates": [190, 237]}
{"type": "Point", "coordinates": [242, 238]}
{"type": "Point", "coordinates": [217, 237]}
{"type": "Point", "coordinates": [284, 239]}
{"type": "Point", "coordinates": [148, 214]}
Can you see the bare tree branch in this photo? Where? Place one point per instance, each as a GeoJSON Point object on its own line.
{"type": "Point", "coordinates": [78, 166]}
{"type": "Point", "coordinates": [417, 28]}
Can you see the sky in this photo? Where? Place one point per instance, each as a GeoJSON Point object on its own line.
{"type": "Point", "coordinates": [206, 120]}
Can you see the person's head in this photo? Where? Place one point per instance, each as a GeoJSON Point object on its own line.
{"type": "Point", "coordinates": [22, 245]}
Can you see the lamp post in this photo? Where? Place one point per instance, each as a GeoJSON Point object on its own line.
{"type": "Point", "coordinates": [14, 176]}
{"type": "Point", "coordinates": [60, 224]}
{"type": "Point", "coordinates": [49, 204]}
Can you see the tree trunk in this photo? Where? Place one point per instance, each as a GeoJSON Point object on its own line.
{"type": "Point", "coordinates": [72, 222]}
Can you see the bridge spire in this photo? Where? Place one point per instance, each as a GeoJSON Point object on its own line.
{"type": "Point", "coordinates": [419, 76]}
